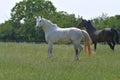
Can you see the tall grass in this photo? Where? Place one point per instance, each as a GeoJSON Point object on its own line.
{"type": "Point", "coordinates": [29, 61]}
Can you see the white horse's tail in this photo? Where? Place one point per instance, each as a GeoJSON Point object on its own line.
{"type": "Point", "coordinates": [87, 42]}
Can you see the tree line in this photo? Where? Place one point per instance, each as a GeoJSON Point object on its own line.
{"type": "Point", "coordinates": [21, 26]}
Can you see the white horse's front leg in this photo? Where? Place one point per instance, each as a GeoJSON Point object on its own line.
{"type": "Point", "coordinates": [50, 50]}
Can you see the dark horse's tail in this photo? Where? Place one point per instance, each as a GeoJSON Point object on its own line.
{"type": "Point", "coordinates": [116, 35]}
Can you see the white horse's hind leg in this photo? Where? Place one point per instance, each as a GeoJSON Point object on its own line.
{"type": "Point", "coordinates": [80, 48]}
{"type": "Point", "coordinates": [76, 47]}
{"type": "Point", "coordinates": [50, 50]}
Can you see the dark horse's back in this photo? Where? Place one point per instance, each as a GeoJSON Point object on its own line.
{"type": "Point", "coordinates": [110, 34]}
{"type": "Point", "coordinates": [116, 35]}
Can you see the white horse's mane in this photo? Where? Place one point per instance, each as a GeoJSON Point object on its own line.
{"type": "Point", "coordinates": [54, 25]}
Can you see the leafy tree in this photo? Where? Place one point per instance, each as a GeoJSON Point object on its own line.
{"type": "Point", "coordinates": [23, 18]}
{"type": "Point", "coordinates": [103, 22]}
{"type": "Point", "coordinates": [6, 31]}
{"type": "Point", "coordinates": [22, 23]}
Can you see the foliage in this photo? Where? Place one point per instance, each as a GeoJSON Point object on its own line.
{"type": "Point", "coordinates": [21, 26]}
{"type": "Point", "coordinates": [23, 22]}
{"type": "Point", "coordinates": [6, 31]}
{"type": "Point", "coordinates": [103, 22]}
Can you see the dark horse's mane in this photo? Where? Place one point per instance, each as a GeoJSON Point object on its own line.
{"type": "Point", "coordinates": [108, 35]}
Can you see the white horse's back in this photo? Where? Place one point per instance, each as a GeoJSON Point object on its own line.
{"type": "Point", "coordinates": [64, 35]}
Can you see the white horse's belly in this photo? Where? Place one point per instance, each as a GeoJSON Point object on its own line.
{"type": "Point", "coordinates": [58, 37]}
{"type": "Point", "coordinates": [63, 40]}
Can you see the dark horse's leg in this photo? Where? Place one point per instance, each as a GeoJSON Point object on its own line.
{"type": "Point", "coordinates": [95, 46]}
{"type": "Point", "coordinates": [110, 45]}
{"type": "Point", "coordinates": [113, 43]}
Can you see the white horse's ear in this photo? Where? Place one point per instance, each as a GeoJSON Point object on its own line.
{"type": "Point", "coordinates": [35, 17]}
{"type": "Point", "coordinates": [39, 17]}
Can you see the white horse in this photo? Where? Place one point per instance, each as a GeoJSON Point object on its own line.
{"type": "Point", "coordinates": [55, 34]}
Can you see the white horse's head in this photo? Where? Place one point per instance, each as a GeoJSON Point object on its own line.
{"type": "Point", "coordinates": [39, 21]}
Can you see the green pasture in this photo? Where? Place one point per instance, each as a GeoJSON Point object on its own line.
{"type": "Point", "coordinates": [29, 61]}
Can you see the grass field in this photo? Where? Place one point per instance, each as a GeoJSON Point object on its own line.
{"type": "Point", "coordinates": [29, 61]}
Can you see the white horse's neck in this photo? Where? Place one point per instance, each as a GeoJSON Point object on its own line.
{"type": "Point", "coordinates": [48, 25]}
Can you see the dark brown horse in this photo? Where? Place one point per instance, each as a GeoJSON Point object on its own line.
{"type": "Point", "coordinates": [108, 35]}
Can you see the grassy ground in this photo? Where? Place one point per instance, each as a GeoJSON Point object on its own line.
{"type": "Point", "coordinates": [27, 61]}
